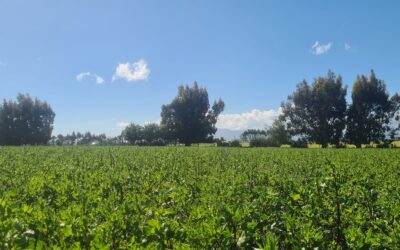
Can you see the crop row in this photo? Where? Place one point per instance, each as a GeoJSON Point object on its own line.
{"type": "Point", "coordinates": [129, 197]}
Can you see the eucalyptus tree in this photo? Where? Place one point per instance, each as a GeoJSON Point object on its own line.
{"type": "Point", "coordinates": [25, 121]}
{"type": "Point", "coordinates": [317, 112]}
{"type": "Point", "coordinates": [189, 118]}
{"type": "Point", "coordinates": [370, 112]}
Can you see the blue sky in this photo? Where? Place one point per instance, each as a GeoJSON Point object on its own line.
{"type": "Point", "coordinates": [101, 64]}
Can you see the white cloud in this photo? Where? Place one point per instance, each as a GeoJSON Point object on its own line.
{"type": "Point", "coordinates": [255, 119]}
{"type": "Point", "coordinates": [347, 46]}
{"type": "Point", "coordinates": [319, 49]}
{"type": "Point", "coordinates": [122, 124]}
{"type": "Point", "coordinates": [81, 76]}
{"type": "Point", "coordinates": [132, 71]}
{"type": "Point", "coordinates": [99, 79]}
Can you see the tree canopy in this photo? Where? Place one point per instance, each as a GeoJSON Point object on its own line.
{"type": "Point", "coordinates": [150, 134]}
{"type": "Point", "coordinates": [252, 134]}
{"type": "Point", "coordinates": [188, 118]}
{"type": "Point", "coordinates": [317, 112]}
{"type": "Point", "coordinates": [86, 138]}
{"type": "Point", "coordinates": [25, 121]}
{"type": "Point", "coordinates": [370, 112]}
{"type": "Point", "coordinates": [277, 134]}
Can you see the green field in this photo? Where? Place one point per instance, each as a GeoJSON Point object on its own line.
{"type": "Point", "coordinates": [182, 198]}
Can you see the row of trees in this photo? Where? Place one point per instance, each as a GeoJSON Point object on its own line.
{"type": "Point", "coordinates": [147, 135]}
{"type": "Point", "coordinates": [187, 119]}
{"type": "Point", "coordinates": [273, 136]}
{"type": "Point", "coordinates": [319, 113]}
{"type": "Point", "coordinates": [85, 139]}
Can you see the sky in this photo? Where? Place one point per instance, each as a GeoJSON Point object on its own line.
{"type": "Point", "coordinates": [104, 64]}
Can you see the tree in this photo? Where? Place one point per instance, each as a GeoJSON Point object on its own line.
{"type": "Point", "coordinates": [148, 135]}
{"type": "Point", "coordinates": [152, 132]}
{"type": "Point", "coordinates": [370, 111]}
{"type": "Point", "coordinates": [188, 117]}
{"type": "Point", "coordinates": [395, 116]}
{"type": "Point", "coordinates": [133, 133]}
{"type": "Point", "coordinates": [252, 134]}
{"type": "Point", "coordinates": [317, 112]}
{"type": "Point", "coordinates": [25, 121]}
{"type": "Point", "coordinates": [277, 134]}
{"type": "Point", "coordinates": [85, 139]}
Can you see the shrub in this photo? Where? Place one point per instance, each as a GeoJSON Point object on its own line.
{"type": "Point", "coordinates": [261, 142]}
{"type": "Point", "coordinates": [223, 143]}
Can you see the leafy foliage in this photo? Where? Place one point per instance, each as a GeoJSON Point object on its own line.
{"type": "Point", "coordinates": [188, 118]}
{"type": "Point", "coordinates": [370, 112]}
{"type": "Point", "coordinates": [252, 134]}
{"type": "Point", "coordinates": [84, 139]}
{"type": "Point", "coordinates": [25, 121]}
{"type": "Point", "coordinates": [277, 134]}
{"type": "Point", "coordinates": [148, 135]}
{"type": "Point", "coordinates": [317, 112]}
{"type": "Point", "coordinates": [274, 136]}
{"type": "Point", "coordinates": [221, 142]}
{"type": "Point", "coordinates": [198, 198]}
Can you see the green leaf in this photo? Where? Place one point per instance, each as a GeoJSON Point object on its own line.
{"type": "Point", "coordinates": [296, 197]}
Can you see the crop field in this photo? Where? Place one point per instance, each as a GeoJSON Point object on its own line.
{"type": "Point", "coordinates": [198, 198]}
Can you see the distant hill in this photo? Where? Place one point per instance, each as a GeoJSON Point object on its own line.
{"type": "Point", "coordinates": [228, 134]}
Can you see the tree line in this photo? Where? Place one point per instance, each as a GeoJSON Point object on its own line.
{"type": "Point", "coordinates": [87, 138]}
{"type": "Point", "coordinates": [316, 113]}
{"type": "Point", "coordinates": [188, 119]}
{"type": "Point", "coordinates": [319, 113]}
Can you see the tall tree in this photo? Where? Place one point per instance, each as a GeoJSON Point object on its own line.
{"type": "Point", "coordinates": [277, 134]}
{"type": "Point", "coordinates": [188, 118]}
{"type": "Point", "coordinates": [317, 112]}
{"type": "Point", "coordinates": [395, 115]}
{"type": "Point", "coordinates": [370, 111]}
{"type": "Point", "coordinates": [252, 134]}
{"type": "Point", "coordinates": [151, 132]}
{"type": "Point", "coordinates": [25, 121]}
{"type": "Point", "coordinates": [133, 133]}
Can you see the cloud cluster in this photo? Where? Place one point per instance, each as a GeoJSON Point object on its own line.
{"type": "Point", "coordinates": [135, 71]}
{"type": "Point", "coordinates": [82, 76]}
{"type": "Point", "coordinates": [132, 71]}
{"type": "Point", "coordinates": [320, 49]}
{"type": "Point", "coordinates": [255, 119]}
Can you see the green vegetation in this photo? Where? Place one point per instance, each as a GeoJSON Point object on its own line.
{"type": "Point", "coordinates": [319, 113]}
{"type": "Point", "coordinates": [188, 118]}
{"type": "Point", "coordinates": [25, 121]}
{"type": "Point", "coordinates": [198, 197]}
{"type": "Point", "coordinates": [313, 114]}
